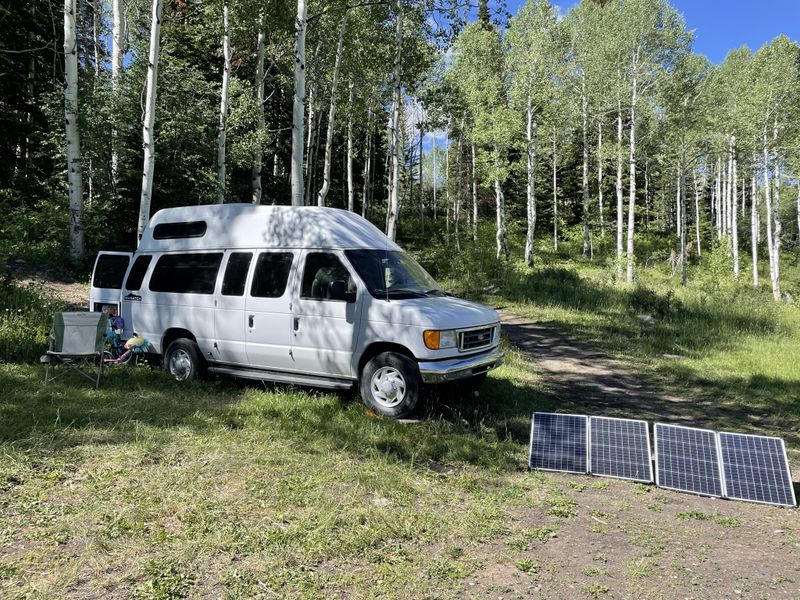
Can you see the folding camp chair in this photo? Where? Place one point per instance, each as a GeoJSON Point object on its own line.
{"type": "Point", "coordinates": [76, 342]}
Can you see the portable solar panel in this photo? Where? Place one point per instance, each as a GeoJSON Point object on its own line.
{"type": "Point", "coordinates": [756, 469]}
{"type": "Point", "coordinates": [687, 460]}
{"type": "Point", "coordinates": [558, 443]}
{"type": "Point", "coordinates": [620, 448]}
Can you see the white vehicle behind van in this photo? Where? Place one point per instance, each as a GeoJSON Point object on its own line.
{"type": "Point", "coordinates": [308, 296]}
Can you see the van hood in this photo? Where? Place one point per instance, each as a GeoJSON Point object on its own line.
{"type": "Point", "coordinates": [438, 312]}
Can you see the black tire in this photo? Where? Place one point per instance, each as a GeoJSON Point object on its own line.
{"type": "Point", "coordinates": [402, 385]}
{"type": "Point", "coordinates": [183, 360]}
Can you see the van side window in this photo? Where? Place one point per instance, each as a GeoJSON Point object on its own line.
{"type": "Point", "coordinates": [136, 275]}
{"type": "Point", "coordinates": [236, 273]}
{"type": "Point", "coordinates": [271, 275]}
{"type": "Point", "coordinates": [176, 231]}
{"type": "Point", "coordinates": [322, 269]}
{"type": "Point", "coordinates": [186, 273]}
{"type": "Point", "coordinates": [110, 270]}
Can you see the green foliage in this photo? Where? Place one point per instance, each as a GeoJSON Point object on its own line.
{"type": "Point", "coordinates": [26, 315]}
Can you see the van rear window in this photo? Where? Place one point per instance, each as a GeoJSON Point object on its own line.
{"type": "Point", "coordinates": [186, 273]}
{"type": "Point", "coordinates": [138, 270]}
{"type": "Point", "coordinates": [110, 271]}
{"type": "Point", "coordinates": [174, 231]}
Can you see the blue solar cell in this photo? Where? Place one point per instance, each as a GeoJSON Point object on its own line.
{"type": "Point", "coordinates": [620, 448]}
{"type": "Point", "coordinates": [558, 443]}
{"type": "Point", "coordinates": [756, 469]}
{"type": "Point", "coordinates": [687, 460]}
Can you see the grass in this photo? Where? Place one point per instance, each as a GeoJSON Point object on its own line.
{"type": "Point", "coordinates": [169, 489]}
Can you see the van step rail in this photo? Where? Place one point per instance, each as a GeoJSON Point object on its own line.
{"type": "Point", "coordinates": [278, 377]}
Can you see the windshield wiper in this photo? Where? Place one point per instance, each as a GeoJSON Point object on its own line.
{"type": "Point", "coordinates": [414, 293]}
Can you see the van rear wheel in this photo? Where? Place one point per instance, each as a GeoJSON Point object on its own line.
{"type": "Point", "coordinates": [391, 385]}
{"type": "Point", "coordinates": [183, 360]}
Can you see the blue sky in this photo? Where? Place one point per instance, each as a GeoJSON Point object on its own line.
{"type": "Point", "coordinates": [721, 25]}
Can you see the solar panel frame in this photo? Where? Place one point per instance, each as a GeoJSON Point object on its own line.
{"type": "Point", "coordinates": [715, 458]}
{"type": "Point", "coordinates": [564, 417]}
{"type": "Point", "coordinates": [730, 482]}
{"type": "Point", "coordinates": [648, 463]}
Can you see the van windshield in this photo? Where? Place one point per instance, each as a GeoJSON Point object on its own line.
{"type": "Point", "coordinates": [393, 274]}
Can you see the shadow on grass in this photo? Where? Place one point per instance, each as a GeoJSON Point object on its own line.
{"type": "Point", "coordinates": [138, 405]}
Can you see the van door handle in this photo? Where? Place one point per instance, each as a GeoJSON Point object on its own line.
{"type": "Point", "coordinates": [251, 321]}
{"type": "Point", "coordinates": [296, 324]}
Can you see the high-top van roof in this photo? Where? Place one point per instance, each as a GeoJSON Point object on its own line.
{"type": "Point", "coordinates": [218, 226]}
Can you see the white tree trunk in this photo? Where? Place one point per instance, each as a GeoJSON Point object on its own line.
{"type": "Point", "coordinates": [447, 178]}
{"type": "Point", "coordinates": [313, 135]}
{"type": "Point", "coordinates": [434, 181]}
{"type": "Point", "coordinates": [696, 212]}
{"type": "Point", "coordinates": [754, 227]}
{"type": "Point", "coordinates": [148, 135]}
{"type": "Point", "coordinates": [117, 58]}
{"type": "Point", "coordinates": [457, 202]}
{"type": "Point", "coordinates": [223, 106]}
{"type": "Point", "coordinates": [632, 185]}
{"type": "Point", "coordinates": [531, 135]}
{"type": "Point", "coordinates": [600, 177]}
{"type": "Point", "coordinates": [734, 212]}
{"type": "Point", "coordinates": [76, 226]}
{"type": "Point", "coordinates": [351, 185]}
{"type": "Point", "coordinates": [683, 230]}
{"type": "Point", "coordinates": [255, 178]}
{"type": "Point", "coordinates": [326, 177]}
{"type": "Point", "coordinates": [585, 178]}
{"type": "Point", "coordinates": [474, 172]}
{"type": "Point", "coordinates": [298, 109]}
{"type": "Point", "coordinates": [555, 194]}
{"type": "Point", "coordinates": [421, 191]}
{"type": "Point", "coordinates": [367, 164]}
{"type": "Point", "coordinates": [620, 196]}
{"type": "Point", "coordinates": [502, 236]}
{"type": "Point", "coordinates": [678, 204]}
{"type": "Point", "coordinates": [777, 227]}
{"type": "Point", "coordinates": [396, 140]}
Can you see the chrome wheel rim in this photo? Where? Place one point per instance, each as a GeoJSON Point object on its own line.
{"type": "Point", "coordinates": [388, 387]}
{"type": "Point", "coordinates": [180, 364]}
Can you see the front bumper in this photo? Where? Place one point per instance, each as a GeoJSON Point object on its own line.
{"type": "Point", "coordinates": [442, 371]}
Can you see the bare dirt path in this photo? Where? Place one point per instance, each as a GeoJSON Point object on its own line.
{"type": "Point", "coordinates": [74, 293]}
{"type": "Point", "coordinates": [579, 375]}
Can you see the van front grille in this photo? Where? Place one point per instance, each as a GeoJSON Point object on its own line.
{"type": "Point", "coordinates": [476, 338]}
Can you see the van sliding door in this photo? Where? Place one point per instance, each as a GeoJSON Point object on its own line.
{"type": "Point", "coordinates": [268, 312]}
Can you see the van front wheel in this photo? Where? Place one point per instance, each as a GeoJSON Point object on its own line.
{"type": "Point", "coordinates": [391, 385]}
{"type": "Point", "coordinates": [183, 360]}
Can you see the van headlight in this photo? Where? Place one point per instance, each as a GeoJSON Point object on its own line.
{"type": "Point", "coordinates": [438, 340]}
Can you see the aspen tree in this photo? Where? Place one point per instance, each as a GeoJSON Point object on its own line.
{"type": "Point", "coordinates": [148, 133]}
{"type": "Point", "coordinates": [298, 110]}
{"type": "Point", "coordinates": [76, 225]}
{"type": "Point", "coordinates": [223, 105]}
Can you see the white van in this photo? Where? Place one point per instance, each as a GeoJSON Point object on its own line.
{"type": "Point", "coordinates": [309, 296]}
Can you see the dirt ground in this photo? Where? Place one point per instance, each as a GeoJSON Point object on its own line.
{"type": "Point", "coordinates": [74, 293]}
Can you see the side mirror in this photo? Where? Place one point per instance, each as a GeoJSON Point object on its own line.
{"type": "Point", "coordinates": [337, 290]}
